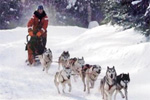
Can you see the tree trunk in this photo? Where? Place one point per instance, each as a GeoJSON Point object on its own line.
{"type": "Point", "coordinates": [89, 10]}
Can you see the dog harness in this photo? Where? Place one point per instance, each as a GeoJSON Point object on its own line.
{"type": "Point", "coordinates": [110, 86]}
{"type": "Point", "coordinates": [72, 61]}
{"type": "Point", "coordinates": [85, 67]}
{"type": "Point", "coordinates": [93, 79]}
{"type": "Point", "coordinates": [65, 79]}
{"type": "Point", "coordinates": [48, 58]}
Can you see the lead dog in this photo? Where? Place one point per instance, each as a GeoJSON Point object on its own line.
{"type": "Point", "coordinates": [63, 59]}
{"type": "Point", "coordinates": [63, 78]}
{"type": "Point", "coordinates": [108, 84]}
{"type": "Point", "coordinates": [46, 59]}
{"type": "Point", "coordinates": [122, 83]}
{"type": "Point", "coordinates": [90, 74]}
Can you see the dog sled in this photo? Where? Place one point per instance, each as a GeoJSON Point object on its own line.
{"type": "Point", "coordinates": [37, 48]}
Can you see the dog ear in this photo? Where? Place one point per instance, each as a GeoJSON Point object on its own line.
{"type": "Point", "coordinates": [107, 67]}
{"type": "Point", "coordinates": [128, 73]}
{"type": "Point", "coordinates": [100, 67]}
{"type": "Point", "coordinates": [129, 76]}
{"type": "Point", "coordinates": [82, 57]}
{"type": "Point", "coordinates": [121, 75]}
{"type": "Point", "coordinates": [113, 67]}
{"type": "Point", "coordinates": [93, 68]}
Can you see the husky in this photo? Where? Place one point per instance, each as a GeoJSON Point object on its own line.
{"type": "Point", "coordinates": [108, 84]}
{"type": "Point", "coordinates": [46, 59]}
{"type": "Point", "coordinates": [76, 65]}
{"type": "Point", "coordinates": [63, 78]}
{"type": "Point", "coordinates": [122, 83]}
{"type": "Point", "coordinates": [63, 59]}
{"type": "Point", "coordinates": [90, 73]}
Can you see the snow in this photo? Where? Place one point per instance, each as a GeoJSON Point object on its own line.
{"type": "Point", "coordinates": [11, 9]}
{"type": "Point", "coordinates": [93, 24]}
{"type": "Point", "coordinates": [104, 45]}
{"type": "Point", "coordinates": [136, 2]}
{"type": "Point", "coordinates": [147, 10]}
{"type": "Point", "coordinates": [71, 3]}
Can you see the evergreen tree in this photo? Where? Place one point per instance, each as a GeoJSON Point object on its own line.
{"type": "Point", "coordinates": [10, 13]}
{"type": "Point", "coordinates": [85, 11]}
{"type": "Point", "coordinates": [127, 14]}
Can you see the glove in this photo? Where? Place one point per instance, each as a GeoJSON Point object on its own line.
{"type": "Point", "coordinates": [39, 34]}
{"type": "Point", "coordinates": [31, 33]}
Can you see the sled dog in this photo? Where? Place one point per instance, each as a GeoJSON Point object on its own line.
{"type": "Point", "coordinates": [108, 84]}
{"type": "Point", "coordinates": [90, 73]}
{"type": "Point", "coordinates": [46, 59]}
{"type": "Point", "coordinates": [122, 83]}
{"type": "Point", "coordinates": [63, 78]}
{"type": "Point", "coordinates": [63, 59]}
{"type": "Point", "coordinates": [76, 65]}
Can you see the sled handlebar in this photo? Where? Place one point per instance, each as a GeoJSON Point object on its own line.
{"type": "Point", "coordinates": [27, 38]}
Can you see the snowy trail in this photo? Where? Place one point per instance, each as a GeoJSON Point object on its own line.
{"type": "Point", "coordinates": [104, 45]}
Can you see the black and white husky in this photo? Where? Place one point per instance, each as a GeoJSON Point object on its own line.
{"type": "Point", "coordinates": [90, 73]}
{"type": "Point", "coordinates": [108, 84]}
{"type": "Point", "coordinates": [63, 59]}
{"type": "Point", "coordinates": [122, 83]}
{"type": "Point", "coordinates": [63, 78]}
{"type": "Point", "coordinates": [46, 59]}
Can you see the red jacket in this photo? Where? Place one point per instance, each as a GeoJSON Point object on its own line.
{"type": "Point", "coordinates": [38, 23]}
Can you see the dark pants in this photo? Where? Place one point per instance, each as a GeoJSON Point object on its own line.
{"type": "Point", "coordinates": [44, 40]}
{"type": "Point", "coordinates": [37, 45]}
{"type": "Point", "coordinates": [41, 45]}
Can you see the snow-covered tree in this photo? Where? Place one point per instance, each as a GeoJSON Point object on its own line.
{"type": "Point", "coordinates": [85, 11]}
{"type": "Point", "coordinates": [128, 13]}
{"type": "Point", "coordinates": [10, 13]}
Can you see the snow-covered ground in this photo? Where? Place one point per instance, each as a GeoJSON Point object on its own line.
{"type": "Point", "coordinates": [104, 45]}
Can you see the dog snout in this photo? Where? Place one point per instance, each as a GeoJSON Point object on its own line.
{"type": "Point", "coordinates": [68, 76]}
{"type": "Point", "coordinates": [98, 71]}
{"type": "Point", "coordinates": [111, 76]}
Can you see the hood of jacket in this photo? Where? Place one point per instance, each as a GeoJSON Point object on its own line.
{"type": "Point", "coordinates": [38, 15]}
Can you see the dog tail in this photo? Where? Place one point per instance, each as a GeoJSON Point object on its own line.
{"type": "Point", "coordinates": [101, 89]}
{"type": "Point", "coordinates": [101, 85]}
{"type": "Point", "coordinates": [55, 80]}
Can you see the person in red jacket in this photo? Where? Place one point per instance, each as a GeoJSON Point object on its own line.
{"type": "Point", "coordinates": [37, 29]}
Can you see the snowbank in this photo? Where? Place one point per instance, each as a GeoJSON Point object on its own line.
{"type": "Point", "coordinates": [93, 24]}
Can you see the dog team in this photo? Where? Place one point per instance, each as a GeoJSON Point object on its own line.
{"type": "Point", "coordinates": [75, 67]}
